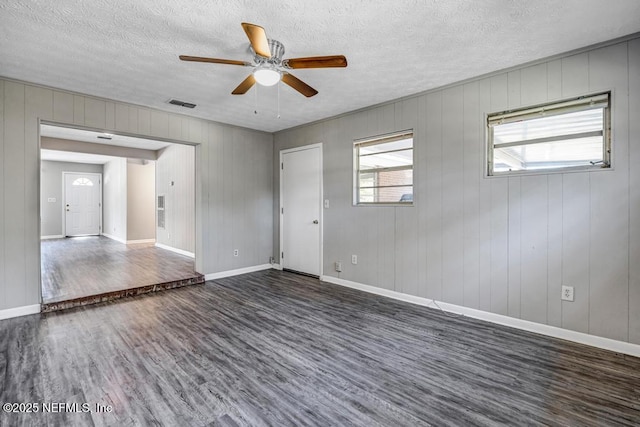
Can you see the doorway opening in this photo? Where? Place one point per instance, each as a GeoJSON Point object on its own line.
{"type": "Point", "coordinates": [100, 234]}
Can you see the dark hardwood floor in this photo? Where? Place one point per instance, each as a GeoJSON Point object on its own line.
{"type": "Point", "coordinates": [277, 349]}
{"type": "Point", "coordinates": [74, 268]}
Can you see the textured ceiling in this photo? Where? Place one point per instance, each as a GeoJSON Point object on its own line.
{"type": "Point", "coordinates": [128, 50]}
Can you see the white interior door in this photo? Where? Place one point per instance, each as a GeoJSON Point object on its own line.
{"type": "Point", "coordinates": [82, 204]}
{"type": "Point", "coordinates": [301, 199]}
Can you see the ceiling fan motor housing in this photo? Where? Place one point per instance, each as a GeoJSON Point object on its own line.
{"type": "Point", "coordinates": [277, 51]}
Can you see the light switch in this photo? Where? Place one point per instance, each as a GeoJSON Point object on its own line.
{"type": "Point", "coordinates": [326, 203]}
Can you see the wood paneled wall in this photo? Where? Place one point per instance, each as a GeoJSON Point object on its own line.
{"type": "Point", "coordinates": [233, 192]}
{"type": "Point", "coordinates": [503, 244]}
{"type": "Point", "coordinates": [175, 179]}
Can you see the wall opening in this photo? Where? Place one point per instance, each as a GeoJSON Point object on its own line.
{"type": "Point", "coordinates": [130, 249]}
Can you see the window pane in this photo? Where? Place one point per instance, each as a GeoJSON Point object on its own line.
{"type": "Point", "coordinates": [386, 195]}
{"type": "Point", "coordinates": [385, 169]}
{"type": "Point", "coordinates": [83, 182]}
{"type": "Point", "coordinates": [557, 154]}
{"type": "Point", "coordinates": [386, 178]}
{"type": "Point", "coordinates": [572, 133]}
{"type": "Point", "coordinates": [367, 195]}
{"type": "Point", "coordinates": [401, 144]}
{"type": "Point", "coordinates": [563, 124]}
{"type": "Point", "coordinates": [386, 160]}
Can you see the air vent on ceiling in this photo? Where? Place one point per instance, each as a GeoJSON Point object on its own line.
{"type": "Point", "coordinates": [182, 103]}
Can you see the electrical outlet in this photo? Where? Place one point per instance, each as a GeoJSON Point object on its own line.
{"type": "Point", "coordinates": [567, 293]}
{"type": "Point", "coordinates": [236, 252]}
{"type": "Point", "coordinates": [338, 266]}
{"type": "Point", "coordinates": [354, 259]}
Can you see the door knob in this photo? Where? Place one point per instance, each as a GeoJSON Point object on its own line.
{"type": "Point", "coordinates": [315, 221]}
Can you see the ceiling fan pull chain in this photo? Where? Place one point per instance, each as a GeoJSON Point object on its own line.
{"type": "Point", "coordinates": [255, 110]}
{"type": "Point", "coordinates": [278, 100]}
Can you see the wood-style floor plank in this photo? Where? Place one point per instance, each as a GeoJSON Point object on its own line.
{"type": "Point", "coordinates": [277, 349]}
{"type": "Point", "coordinates": [79, 267]}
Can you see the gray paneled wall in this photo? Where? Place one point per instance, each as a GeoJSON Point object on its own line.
{"type": "Point", "coordinates": [51, 187]}
{"type": "Point", "coordinates": [175, 180]}
{"type": "Point", "coordinates": [233, 197]}
{"type": "Point", "coordinates": [238, 188]}
{"type": "Point", "coordinates": [503, 244]}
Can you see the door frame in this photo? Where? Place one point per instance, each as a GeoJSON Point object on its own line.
{"type": "Point", "coordinates": [321, 204]}
{"type": "Point", "coordinates": [199, 248]}
{"type": "Point", "coordinates": [64, 200]}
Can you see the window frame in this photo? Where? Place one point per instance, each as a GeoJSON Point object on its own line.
{"type": "Point", "coordinates": [557, 107]}
{"type": "Point", "coordinates": [376, 140]}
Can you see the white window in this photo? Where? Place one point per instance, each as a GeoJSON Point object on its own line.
{"type": "Point", "coordinates": [383, 170]}
{"type": "Point", "coordinates": [572, 134]}
{"type": "Point", "coordinates": [84, 182]}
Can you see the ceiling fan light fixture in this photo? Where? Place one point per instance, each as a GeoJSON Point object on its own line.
{"type": "Point", "coordinates": [267, 76]}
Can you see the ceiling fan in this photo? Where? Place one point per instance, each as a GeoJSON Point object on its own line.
{"type": "Point", "coordinates": [269, 67]}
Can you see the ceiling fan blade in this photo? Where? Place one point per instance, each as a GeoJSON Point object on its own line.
{"type": "Point", "coordinates": [316, 62]}
{"type": "Point", "coordinates": [214, 60]}
{"type": "Point", "coordinates": [258, 39]}
{"type": "Point", "coordinates": [244, 86]}
{"type": "Point", "coordinates": [298, 85]}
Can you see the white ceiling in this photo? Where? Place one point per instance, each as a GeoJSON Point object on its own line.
{"type": "Point", "coordinates": [66, 156]}
{"type": "Point", "coordinates": [92, 137]}
{"type": "Point", "coordinates": [128, 50]}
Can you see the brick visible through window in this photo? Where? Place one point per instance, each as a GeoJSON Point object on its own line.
{"type": "Point", "coordinates": [384, 170]}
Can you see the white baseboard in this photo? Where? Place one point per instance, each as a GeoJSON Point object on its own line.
{"type": "Point", "coordinates": [552, 331]}
{"type": "Point", "coordinates": [276, 267]}
{"type": "Point", "coordinates": [117, 239]}
{"type": "Point", "coordinates": [133, 242]}
{"type": "Point", "coordinates": [229, 273]}
{"type": "Point", "coordinates": [19, 311]}
{"type": "Point", "coordinates": [51, 237]}
{"type": "Point", "coordinates": [176, 250]}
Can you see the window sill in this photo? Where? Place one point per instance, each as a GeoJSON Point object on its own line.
{"type": "Point", "coordinates": [383, 205]}
{"type": "Point", "coordinates": [549, 171]}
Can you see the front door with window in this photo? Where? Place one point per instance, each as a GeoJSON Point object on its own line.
{"type": "Point", "coordinates": [82, 204]}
